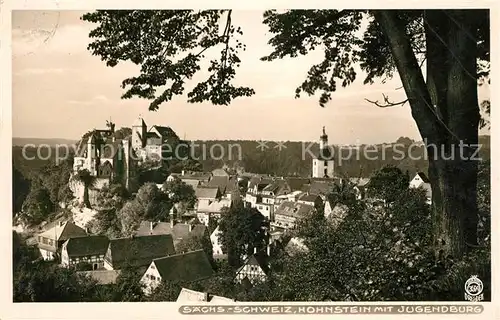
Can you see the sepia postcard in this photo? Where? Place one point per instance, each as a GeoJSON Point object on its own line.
{"type": "Point", "coordinates": [249, 161]}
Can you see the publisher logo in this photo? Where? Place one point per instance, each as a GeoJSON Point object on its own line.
{"type": "Point", "coordinates": [474, 289]}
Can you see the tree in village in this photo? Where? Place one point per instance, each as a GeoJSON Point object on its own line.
{"type": "Point", "coordinates": [454, 45]}
{"type": "Point", "coordinates": [181, 193]}
{"type": "Point", "coordinates": [388, 183]}
{"type": "Point", "coordinates": [242, 230]}
{"type": "Point", "coordinates": [196, 242]}
{"type": "Point", "coordinates": [37, 205]}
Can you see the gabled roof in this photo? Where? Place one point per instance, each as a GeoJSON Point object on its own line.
{"type": "Point", "coordinates": [64, 232]}
{"type": "Point", "coordinates": [321, 187]}
{"type": "Point", "coordinates": [278, 187]}
{"type": "Point", "coordinates": [424, 177]}
{"type": "Point", "coordinates": [203, 192]}
{"type": "Point", "coordinates": [187, 295]}
{"type": "Point", "coordinates": [260, 259]}
{"type": "Point", "coordinates": [308, 197]}
{"type": "Point", "coordinates": [165, 131]}
{"type": "Point", "coordinates": [214, 207]}
{"type": "Point", "coordinates": [294, 209]}
{"type": "Point", "coordinates": [296, 184]}
{"type": "Point", "coordinates": [260, 181]}
{"type": "Point", "coordinates": [220, 173]}
{"type": "Point", "coordinates": [87, 246]}
{"type": "Point", "coordinates": [190, 266]}
{"type": "Point", "coordinates": [179, 231]}
{"type": "Point", "coordinates": [139, 251]}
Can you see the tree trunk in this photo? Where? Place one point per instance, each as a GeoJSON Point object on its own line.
{"type": "Point", "coordinates": [446, 112]}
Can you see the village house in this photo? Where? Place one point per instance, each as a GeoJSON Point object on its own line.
{"type": "Point", "coordinates": [310, 199]}
{"type": "Point", "coordinates": [210, 204]}
{"type": "Point", "coordinates": [289, 212]}
{"type": "Point", "coordinates": [187, 267]}
{"type": "Point", "coordinates": [50, 242]}
{"type": "Point", "coordinates": [137, 251]}
{"type": "Point", "coordinates": [218, 253]}
{"type": "Point", "coordinates": [187, 295]}
{"type": "Point", "coordinates": [89, 250]}
{"type": "Point", "coordinates": [422, 181]}
{"type": "Point", "coordinates": [227, 186]}
{"type": "Point", "coordinates": [255, 269]}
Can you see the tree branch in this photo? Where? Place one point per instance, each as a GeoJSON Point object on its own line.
{"type": "Point", "coordinates": [387, 102]}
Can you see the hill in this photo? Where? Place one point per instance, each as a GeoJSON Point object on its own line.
{"type": "Point", "coordinates": [38, 141]}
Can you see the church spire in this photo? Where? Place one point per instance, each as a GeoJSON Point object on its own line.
{"type": "Point", "coordinates": [323, 139]}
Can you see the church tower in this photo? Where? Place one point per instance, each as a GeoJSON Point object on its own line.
{"type": "Point", "coordinates": [323, 163]}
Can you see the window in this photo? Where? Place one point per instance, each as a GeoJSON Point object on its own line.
{"type": "Point", "coordinates": [326, 163]}
{"type": "Point", "coordinates": [153, 278]}
{"type": "Point", "coordinates": [325, 171]}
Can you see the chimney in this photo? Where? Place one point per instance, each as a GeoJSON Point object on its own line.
{"type": "Point", "coordinates": [268, 250]}
{"type": "Point", "coordinates": [254, 250]}
{"type": "Point", "coordinates": [183, 172]}
{"type": "Point", "coordinates": [190, 227]}
{"type": "Point", "coordinates": [205, 296]}
{"type": "Point", "coordinates": [151, 225]}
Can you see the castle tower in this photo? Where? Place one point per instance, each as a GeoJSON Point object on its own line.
{"type": "Point", "coordinates": [138, 134]}
{"type": "Point", "coordinates": [323, 163]}
{"type": "Point", "coordinates": [92, 155]}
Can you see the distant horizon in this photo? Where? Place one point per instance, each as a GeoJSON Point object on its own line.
{"type": "Point", "coordinates": [329, 142]}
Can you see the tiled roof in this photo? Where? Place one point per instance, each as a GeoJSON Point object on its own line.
{"type": "Point", "coordinates": [194, 183]}
{"type": "Point", "coordinates": [296, 183]}
{"type": "Point", "coordinates": [190, 266]}
{"type": "Point", "coordinates": [294, 209]}
{"type": "Point", "coordinates": [187, 295]}
{"type": "Point", "coordinates": [424, 177]}
{"type": "Point", "coordinates": [220, 173]}
{"type": "Point", "coordinates": [87, 246]}
{"type": "Point", "coordinates": [140, 250]}
{"type": "Point", "coordinates": [64, 232]}
{"type": "Point", "coordinates": [308, 197]}
{"type": "Point", "coordinates": [321, 187]}
{"type": "Point", "coordinates": [203, 192]}
{"type": "Point", "coordinates": [179, 231]}
{"type": "Point", "coordinates": [226, 184]}
{"type": "Point", "coordinates": [165, 131]}
{"type": "Point", "coordinates": [278, 187]}
{"type": "Point", "coordinates": [215, 206]}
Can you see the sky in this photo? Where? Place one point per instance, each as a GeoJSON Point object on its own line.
{"type": "Point", "coordinates": [61, 91]}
